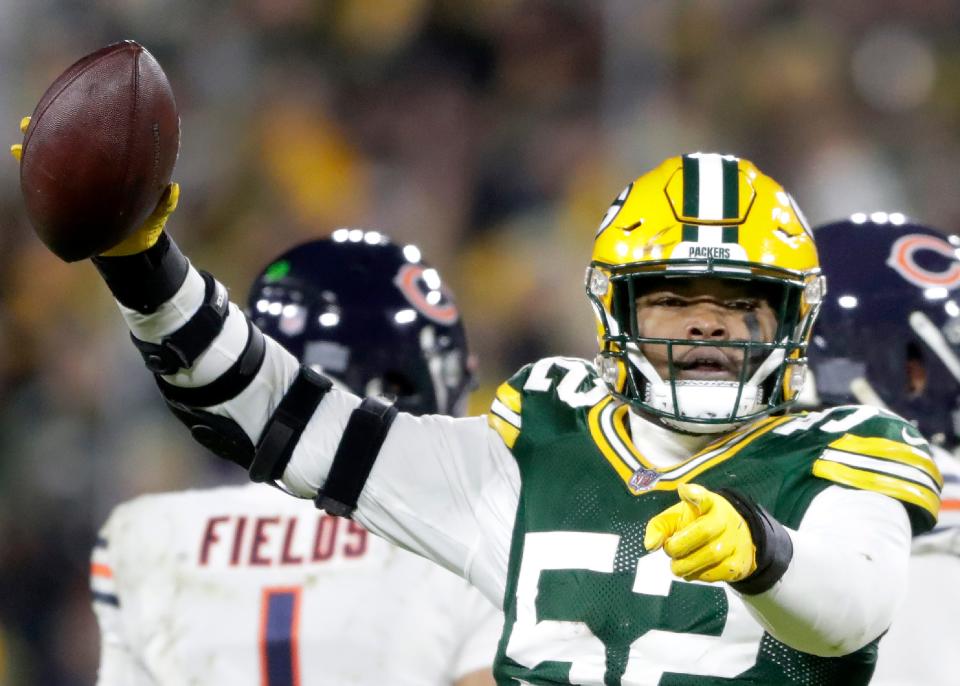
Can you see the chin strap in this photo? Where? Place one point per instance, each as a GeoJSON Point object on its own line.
{"type": "Point", "coordinates": [699, 394]}
{"type": "Point", "coordinates": [774, 360]}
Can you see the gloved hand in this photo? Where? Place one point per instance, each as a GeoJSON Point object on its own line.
{"type": "Point", "coordinates": [149, 232]}
{"type": "Point", "coordinates": [705, 535]}
{"type": "Point", "coordinates": [17, 149]}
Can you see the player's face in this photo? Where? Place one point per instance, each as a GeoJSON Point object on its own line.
{"type": "Point", "coordinates": [703, 309]}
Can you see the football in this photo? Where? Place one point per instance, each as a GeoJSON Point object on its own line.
{"type": "Point", "coordinates": [99, 151]}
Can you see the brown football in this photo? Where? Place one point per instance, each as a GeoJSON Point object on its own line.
{"type": "Point", "coordinates": [99, 151]}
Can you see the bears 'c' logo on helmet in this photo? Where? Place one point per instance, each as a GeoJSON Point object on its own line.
{"type": "Point", "coordinates": [904, 255]}
{"type": "Point", "coordinates": [422, 288]}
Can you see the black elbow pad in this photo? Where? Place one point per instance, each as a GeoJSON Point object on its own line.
{"type": "Point", "coordinates": [220, 435]}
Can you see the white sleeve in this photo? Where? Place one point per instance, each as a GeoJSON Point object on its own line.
{"type": "Point", "coordinates": [444, 488]}
{"type": "Point", "coordinates": [846, 578]}
{"type": "Point", "coordinates": [120, 663]}
{"type": "Point", "coordinates": [480, 627]}
{"type": "Point", "coordinates": [921, 645]}
{"type": "Point", "coordinates": [253, 407]}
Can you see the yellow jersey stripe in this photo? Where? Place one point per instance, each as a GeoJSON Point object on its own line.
{"type": "Point", "coordinates": [887, 449]}
{"type": "Point", "coordinates": [623, 470]}
{"type": "Point", "coordinates": [759, 429]}
{"type": "Point", "coordinates": [509, 396]}
{"type": "Point", "coordinates": [873, 464]}
{"type": "Point", "coordinates": [508, 432]}
{"type": "Point", "coordinates": [717, 450]}
{"type": "Point", "coordinates": [906, 491]}
{"type": "Point", "coordinates": [670, 477]}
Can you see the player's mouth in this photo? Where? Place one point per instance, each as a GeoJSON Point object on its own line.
{"type": "Point", "coordinates": [707, 364]}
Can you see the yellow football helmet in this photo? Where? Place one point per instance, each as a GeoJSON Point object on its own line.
{"type": "Point", "coordinates": [702, 215]}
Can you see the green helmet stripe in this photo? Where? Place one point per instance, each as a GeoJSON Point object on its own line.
{"type": "Point", "coordinates": [691, 186]}
{"type": "Point", "coordinates": [731, 188]}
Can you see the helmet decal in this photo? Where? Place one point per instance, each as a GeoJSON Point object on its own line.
{"type": "Point", "coordinates": [798, 213]}
{"type": "Point", "coordinates": [903, 258]}
{"type": "Point", "coordinates": [614, 208]}
{"type": "Point", "coordinates": [414, 281]}
{"type": "Point", "coordinates": [709, 242]}
{"type": "Point", "coordinates": [276, 271]}
{"type": "Point", "coordinates": [372, 315]}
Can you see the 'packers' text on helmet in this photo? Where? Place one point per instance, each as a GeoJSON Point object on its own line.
{"type": "Point", "coordinates": [704, 216]}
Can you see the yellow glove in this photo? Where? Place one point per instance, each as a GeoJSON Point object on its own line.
{"type": "Point", "coordinates": [149, 232]}
{"type": "Point", "coordinates": [706, 537]}
{"type": "Point", "coordinates": [17, 149]}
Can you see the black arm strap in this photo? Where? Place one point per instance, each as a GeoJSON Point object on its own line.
{"type": "Point", "coordinates": [359, 447]}
{"type": "Point", "coordinates": [181, 349]}
{"type": "Point", "coordinates": [282, 433]}
{"type": "Point", "coordinates": [774, 549]}
{"type": "Point", "coordinates": [220, 435]}
{"type": "Point", "coordinates": [146, 280]}
{"type": "Point", "coordinates": [229, 384]}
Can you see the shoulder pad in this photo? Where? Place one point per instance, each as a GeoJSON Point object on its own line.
{"type": "Point", "coordinates": [875, 450]}
{"type": "Point", "coordinates": [572, 382]}
{"type": "Point", "coordinates": [505, 411]}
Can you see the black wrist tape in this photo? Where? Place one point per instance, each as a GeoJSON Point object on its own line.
{"type": "Point", "coordinates": [770, 537]}
{"type": "Point", "coordinates": [146, 280]}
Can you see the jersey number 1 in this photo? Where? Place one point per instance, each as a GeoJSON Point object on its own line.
{"type": "Point", "coordinates": [279, 636]}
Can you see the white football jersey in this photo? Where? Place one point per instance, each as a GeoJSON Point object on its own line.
{"type": "Point", "coordinates": [919, 647]}
{"type": "Point", "coordinates": [246, 585]}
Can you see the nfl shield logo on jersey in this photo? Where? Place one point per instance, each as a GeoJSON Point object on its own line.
{"type": "Point", "coordinates": [644, 479]}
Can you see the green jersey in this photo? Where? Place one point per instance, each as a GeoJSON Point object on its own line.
{"type": "Point", "coordinates": [581, 584]}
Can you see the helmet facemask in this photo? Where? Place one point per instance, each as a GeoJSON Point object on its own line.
{"type": "Point", "coordinates": [768, 372]}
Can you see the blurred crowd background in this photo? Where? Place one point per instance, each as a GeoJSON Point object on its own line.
{"type": "Point", "coordinates": [491, 133]}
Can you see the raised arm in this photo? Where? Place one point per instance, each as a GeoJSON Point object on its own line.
{"type": "Point", "coordinates": [432, 480]}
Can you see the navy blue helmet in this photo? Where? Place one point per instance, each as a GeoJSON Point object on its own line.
{"type": "Point", "coordinates": [889, 328]}
{"type": "Point", "coordinates": [370, 314]}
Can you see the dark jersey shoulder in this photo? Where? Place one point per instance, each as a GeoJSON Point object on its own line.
{"type": "Point", "coordinates": [545, 399]}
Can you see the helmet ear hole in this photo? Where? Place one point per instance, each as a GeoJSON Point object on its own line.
{"type": "Point", "coordinates": [916, 370]}
{"type": "Point", "coordinates": [395, 384]}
